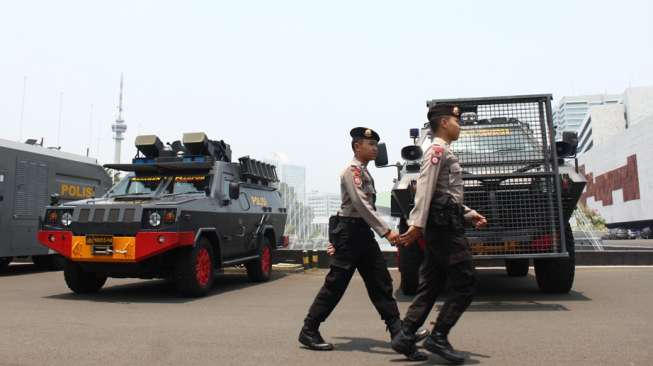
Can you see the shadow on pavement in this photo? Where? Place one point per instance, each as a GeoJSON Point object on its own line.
{"type": "Point", "coordinates": [498, 292]}
{"type": "Point", "coordinates": [368, 345]}
{"type": "Point", "coordinates": [18, 269]}
{"type": "Point", "coordinates": [162, 291]}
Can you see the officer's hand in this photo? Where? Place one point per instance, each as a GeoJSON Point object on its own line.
{"type": "Point", "coordinates": [331, 250]}
{"type": "Point", "coordinates": [410, 236]}
{"type": "Point", "coordinates": [477, 219]}
{"type": "Point", "coordinates": [392, 237]}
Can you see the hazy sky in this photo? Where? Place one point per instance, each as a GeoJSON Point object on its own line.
{"type": "Point", "coordinates": [295, 77]}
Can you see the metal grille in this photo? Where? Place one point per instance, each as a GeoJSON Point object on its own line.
{"type": "Point", "coordinates": [98, 215]}
{"type": "Point", "coordinates": [522, 213]}
{"type": "Point", "coordinates": [31, 189]}
{"type": "Point", "coordinates": [129, 215]}
{"type": "Point", "coordinates": [500, 137]}
{"type": "Point", "coordinates": [83, 215]}
{"type": "Point", "coordinates": [510, 174]}
{"type": "Point", "coordinates": [113, 214]}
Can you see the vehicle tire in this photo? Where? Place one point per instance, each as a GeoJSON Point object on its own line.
{"type": "Point", "coordinates": [53, 262]}
{"type": "Point", "coordinates": [194, 271]}
{"type": "Point", "coordinates": [4, 263]}
{"type": "Point", "coordinates": [81, 281]}
{"type": "Point", "coordinates": [517, 267]}
{"type": "Point", "coordinates": [556, 275]}
{"type": "Point", "coordinates": [260, 270]}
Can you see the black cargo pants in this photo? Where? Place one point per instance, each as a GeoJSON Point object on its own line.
{"type": "Point", "coordinates": [448, 265]}
{"type": "Point", "coordinates": [356, 249]}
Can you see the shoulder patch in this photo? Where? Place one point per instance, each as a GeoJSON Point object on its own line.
{"type": "Point", "coordinates": [356, 170]}
{"type": "Point", "coordinates": [437, 150]}
{"type": "Point", "coordinates": [358, 181]}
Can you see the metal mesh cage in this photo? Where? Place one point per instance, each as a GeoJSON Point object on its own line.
{"type": "Point", "coordinates": [510, 173]}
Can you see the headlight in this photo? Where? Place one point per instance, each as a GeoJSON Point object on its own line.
{"type": "Point", "coordinates": [66, 219]}
{"type": "Point", "coordinates": [155, 219]}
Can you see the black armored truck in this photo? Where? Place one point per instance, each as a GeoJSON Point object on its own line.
{"type": "Point", "coordinates": [525, 183]}
{"type": "Point", "coordinates": [183, 212]}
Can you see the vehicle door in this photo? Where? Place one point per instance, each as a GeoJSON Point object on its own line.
{"type": "Point", "coordinates": [229, 221]}
{"type": "Point", "coordinates": [4, 242]}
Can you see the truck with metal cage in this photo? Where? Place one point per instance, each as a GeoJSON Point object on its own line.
{"type": "Point", "coordinates": [516, 175]}
{"type": "Point", "coordinates": [183, 212]}
{"type": "Point", "coordinates": [29, 175]}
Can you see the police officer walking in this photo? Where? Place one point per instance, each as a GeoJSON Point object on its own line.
{"type": "Point", "coordinates": [439, 216]}
{"type": "Point", "coordinates": [350, 232]}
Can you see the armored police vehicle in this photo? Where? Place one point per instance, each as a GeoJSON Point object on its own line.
{"type": "Point", "coordinates": [183, 212]}
{"type": "Point", "coordinates": [517, 176]}
{"type": "Point", "coordinates": [29, 175]}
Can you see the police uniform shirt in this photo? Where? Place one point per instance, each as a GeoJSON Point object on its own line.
{"type": "Point", "coordinates": [440, 172]}
{"type": "Point", "coordinates": [359, 195]}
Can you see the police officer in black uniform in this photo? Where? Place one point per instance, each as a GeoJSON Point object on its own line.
{"type": "Point", "coordinates": [356, 249]}
{"type": "Point", "coordinates": [439, 215]}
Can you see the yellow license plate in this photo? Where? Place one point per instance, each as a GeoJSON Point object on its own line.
{"type": "Point", "coordinates": [507, 246]}
{"type": "Point", "coordinates": [99, 239]}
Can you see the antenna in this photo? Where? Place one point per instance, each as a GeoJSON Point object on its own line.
{"type": "Point", "coordinates": [22, 111]}
{"type": "Point", "coordinates": [90, 131]}
{"type": "Point", "coordinates": [60, 112]}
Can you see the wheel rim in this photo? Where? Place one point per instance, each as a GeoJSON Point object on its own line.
{"type": "Point", "coordinates": [203, 267]}
{"type": "Point", "coordinates": [266, 261]}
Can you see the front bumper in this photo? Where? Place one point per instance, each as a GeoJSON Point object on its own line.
{"type": "Point", "coordinates": [127, 249]}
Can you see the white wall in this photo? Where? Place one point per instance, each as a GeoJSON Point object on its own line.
{"type": "Point", "coordinates": [607, 122]}
{"type": "Point", "coordinates": [639, 104]}
{"type": "Point", "coordinates": [637, 140]}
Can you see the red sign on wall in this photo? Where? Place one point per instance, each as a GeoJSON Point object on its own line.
{"type": "Point", "coordinates": [601, 187]}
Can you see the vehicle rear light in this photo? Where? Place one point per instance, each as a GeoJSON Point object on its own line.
{"type": "Point", "coordinates": [285, 241]}
{"type": "Point", "coordinates": [565, 183]}
{"type": "Point", "coordinates": [169, 217]}
{"type": "Point", "coordinates": [53, 218]}
{"type": "Point", "coordinates": [543, 243]}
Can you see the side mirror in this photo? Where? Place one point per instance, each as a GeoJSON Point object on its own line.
{"type": "Point", "coordinates": [382, 157]}
{"type": "Point", "coordinates": [568, 146]}
{"type": "Point", "coordinates": [54, 199]}
{"type": "Point", "coordinates": [234, 190]}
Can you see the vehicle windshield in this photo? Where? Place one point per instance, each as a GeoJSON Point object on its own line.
{"type": "Point", "coordinates": [189, 184]}
{"type": "Point", "coordinates": [135, 185]}
{"type": "Point", "coordinates": [499, 139]}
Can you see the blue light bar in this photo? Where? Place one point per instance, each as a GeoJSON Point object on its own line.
{"type": "Point", "coordinates": [194, 159]}
{"type": "Point", "coordinates": [142, 161]}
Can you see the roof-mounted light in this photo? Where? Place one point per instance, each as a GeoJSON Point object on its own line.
{"type": "Point", "coordinates": [196, 143]}
{"type": "Point", "coordinates": [149, 145]}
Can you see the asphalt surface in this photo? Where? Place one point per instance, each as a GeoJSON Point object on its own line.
{"type": "Point", "coordinates": [605, 320]}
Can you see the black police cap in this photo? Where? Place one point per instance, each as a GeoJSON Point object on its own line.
{"type": "Point", "coordinates": [440, 110]}
{"type": "Point", "coordinates": [364, 133]}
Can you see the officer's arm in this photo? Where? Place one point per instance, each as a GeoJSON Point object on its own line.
{"type": "Point", "coordinates": [353, 185]}
{"type": "Point", "coordinates": [428, 176]}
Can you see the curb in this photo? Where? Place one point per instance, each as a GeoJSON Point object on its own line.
{"type": "Point", "coordinates": [628, 257]}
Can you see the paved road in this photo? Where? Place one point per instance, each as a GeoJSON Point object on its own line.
{"type": "Point", "coordinates": [606, 320]}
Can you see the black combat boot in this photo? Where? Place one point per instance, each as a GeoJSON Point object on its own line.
{"type": "Point", "coordinates": [403, 341]}
{"type": "Point", "coordinates": [310, 337]}
{"type": "Point", "coordinates": [438, 343]}
{"type": "Point", "coordinates": [394, 326]}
